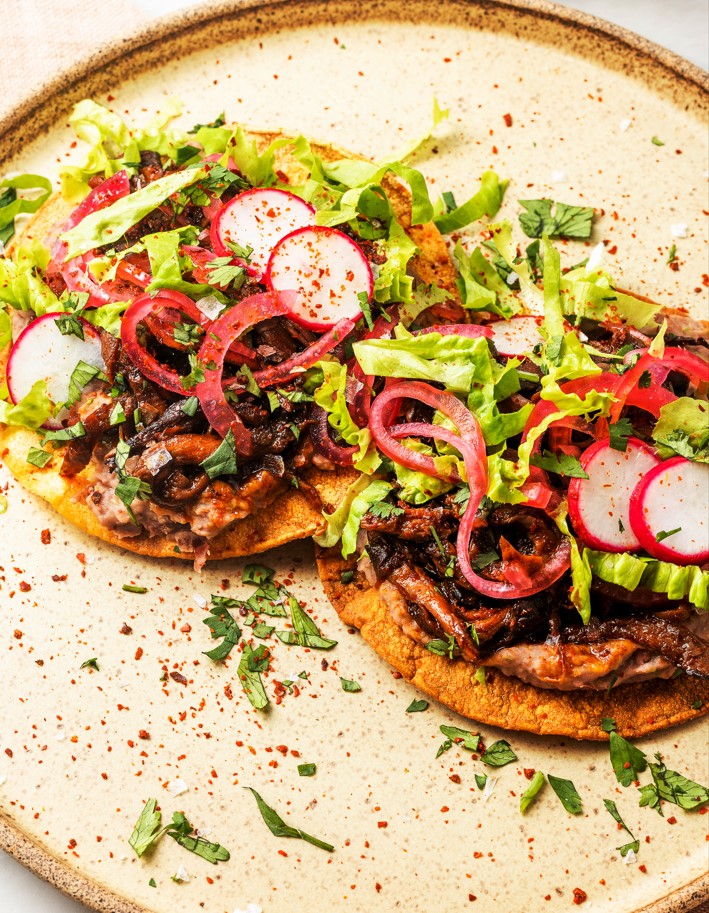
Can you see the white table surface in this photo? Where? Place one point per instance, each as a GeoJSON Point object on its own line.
{"type": "Point", "coordinates": [684, 28]}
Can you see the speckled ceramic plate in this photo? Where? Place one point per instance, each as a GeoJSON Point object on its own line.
{"type": "Point", "coordinates": [411, 832]}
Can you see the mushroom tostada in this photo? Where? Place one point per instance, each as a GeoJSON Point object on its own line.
{"type": "Point", "coordinates": [532, 550]}
{"type": "Point", "coordinates": [166, 319]}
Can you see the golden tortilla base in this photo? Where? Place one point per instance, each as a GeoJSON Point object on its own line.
{"type": "Point", "coordinates": [503, 701]}
{"type": "Point", "coordinates": [292, 515]}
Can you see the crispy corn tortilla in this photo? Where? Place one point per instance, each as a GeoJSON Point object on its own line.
{"type": "Point", "coordinates": [293, 514]}
{"type": "Point", "coordinates": [503, 701]}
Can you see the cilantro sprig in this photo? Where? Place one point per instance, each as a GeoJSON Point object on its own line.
{"type": "Point", "coordinates": [148, 831]}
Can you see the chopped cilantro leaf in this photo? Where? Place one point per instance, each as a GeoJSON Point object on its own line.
{"type": "Point", "coordinates": [218, 121]}
{"type": "Point", "coordinates": [147, 828]}
{"type": "Point", "coordinates": [196, 375]}
{"type": "Point", "coordinates": [498, 754]}
{"type": "Point", "coordinates": [564, 464]}
{"type": "Point", "coordinates": [307, 770]}
{"type": "Point", "coordinates": [190, 406]}
{"type": "Point", "coordinates": [442, 647]}
{"type": "Point", "coordinates": [223, 461]}
{"type": "Point", "coordinates": [480, 780]}
{"type": "Point", "coordinates": [627, 760]}
{"type": "Point", "coordinates": [385, 510]}
{"type": "Point", "coordinates": [221, 623]}
{"type": "Point", "coordinates": [64, 434]}
{"type": "Point", "coordinates": [468, 740]}
{"type": "Point", "coordinates": [279, 828]}
{"type": "Point", "coordinates": [670, 786]}
{"type": "Point", "coordinates": [567, 793]}
{"type": "Point", "coordinates": [250, 679]}
{"type": "Point", "coordinates": [351, 686]}
{"type": "Point", "coordinates": [131, 588]}
{"type": "Point", "coordinates": [620, 431]}
{"type": "Point", "coordinates": [182, 832]}
{"type": "Point", "coordinates": [187, 334]}
{"type": "Point", "coordinates": [666, 533]}
{"type": "Point", "coordinates": [90, 664]}
{"type": "Point", "coordinates": [615, 814]}
{"type": "Point", "coordinates": [38, 457]}
{"type": "Point", "coordinates": [656, 141]}
{"type": "Point", "coordinates": [566, 221]}
{"type": "Point", "coordinates": [417, 706]}
{"type": "Point", "coordinates": [223, 272]}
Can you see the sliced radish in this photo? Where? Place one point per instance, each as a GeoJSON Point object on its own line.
{"type": "Point", "coordinates": [42, 352]}
{"type": "Point", "coordinates": [670, 503]}
{"type": "Point", "coordinates": [599, 506]}
{"type": "Point", "coordinates": [327, 268]}
{"type": "Point", "coordinates": [258, 219]}
{"type": "Point", "coordinates": [516, 336]}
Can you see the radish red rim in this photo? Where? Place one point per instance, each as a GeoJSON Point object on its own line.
{"type": "Point", "coordinates": [678, 521]}
{"type": "Point", "coordinates": [607, 489]}
{"type": "Point", "coordinates": [321, 304]}
{"type": "Point", "coordinates": [286, 212]}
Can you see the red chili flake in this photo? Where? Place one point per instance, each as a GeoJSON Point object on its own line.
{"type": "Point", "coordinates": [81, 557]}
{"type": "Point", "coordinates": [58, 578]}
{"type": "Point", "coordinates": [643, 868]}
{"type": "Point", "coordinates": [674, 265]}
{"type": "Point", "coordinates": [444, 809]}
{"type": "Point", "coordinates": [579, 896]}
{"type": "Point", "coordinates": [8, 752]}
{"type": "Point", "coordinates": [125, 629]}
{"type": "Point", "coordinates": [139, 653]}
{"type": "Point", "coordinates": [454, 778]}
{"type": "Point", "coordinates": [209, 880]}
{"type": "Point", "coordinates": [377, 887]}
{"type": "Point", "coordinates": [283, 749]}
{"type": "Point", "coordinates": [472, 897]}
{"type": "Point", "coordinates": [477, 854]}
{"type": "Point", "coordinates": [396, 675]}
{"type": "Point", "coordinates": [382, 823]}
{"type": "Point", "coordinates": [529, 772]}
{"type": "Point", "coordinates": [24, 586]}
{"type": "Point", "coordinates": [282, 853]}
{"type": "Point", "coordinates": [672, 820]}
{"type": "Point", "coordinates": [178, 677]}
{"type": "Point", "coordinates": [46, 537]}
{"type": "Point", "coordinates": [613, 250]}
{"type": "Point", "coordinates": [104, 776]}
{"type": "Point", "coordinates": [494, 150]}
{"type": "Point", "coordinates": [71, 844]}
{"type": "Point", "coordinates": [143, 734]}
{"type": "Point", "coordinates": [507, 118]}
{"type": "Point", "coordinates": [17, 634]}
{"type": "Point", "coordinates": [186, 628]}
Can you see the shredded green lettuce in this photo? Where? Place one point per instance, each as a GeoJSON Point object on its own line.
{"type": "Point", "coordinates": [12, 205]}
{"type": "Point", "coordinates": [336, 520]}
{"type": "Point", "coordinates": [451, 360]}
{"type": "Point", "coordinates": [359, 505]}
{"type": "Point", "coordinates": [106, 226]}
{"type": "Point", "coordinates": [257, 168]}
{"type": "Point", "coordinates": [631, 571]}
{"type": "Point", "coordinates": [480, 286]}
{"type": "Point", "coordinates": [593, 297]}
{"type": "Point", "coordinates": [439, 114]}
{"type": "Point", "coordinates": [5, 329]}
{"type": "Point", "coordinates": [114, 145]}
{"type": "Point", "coordinates": [683, 428]}
{"type": "Point", "coordinates": [580, 568]}
{"type": "Point", "coordinates": [107, 317]}
{"type": "Point", "coordinates": [330, 396]}
{"type": "Point", "coordinates": [393, 282]}
{"type": "Point", "coordinates": [32, 411]}
{"type": "Point", "coordinates": [417, 487]}
{"type": "Point", "coordinates": [21, 285]}
{"type": "Point", "coordinates": [485, 202]}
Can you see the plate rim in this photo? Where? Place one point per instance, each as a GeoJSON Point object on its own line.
{"type": "Point", "coordinates": [25, 848]}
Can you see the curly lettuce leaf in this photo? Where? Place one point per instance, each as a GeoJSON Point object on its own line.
{"type": "Point", "coordinates": [106, 226]}
{"type": "Point", "coordinates": [632, 571]}
{"type": "Point", "coordinates": [485, 202]}
{"type": "Point", "coordinates": [683, 429]}
{"type": "Point", "coordinates": [107, 317]}
{"type": "Point", "coordinates": [257, 167]}
{"type": "Point", "coordinates": [393, 282]}
{"type": "Point", "coordinates": [454, 361]}
{"type": "Point", "coordinates": [336, 520]}
{"type": "Point", "coordinates": [32, 411]}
